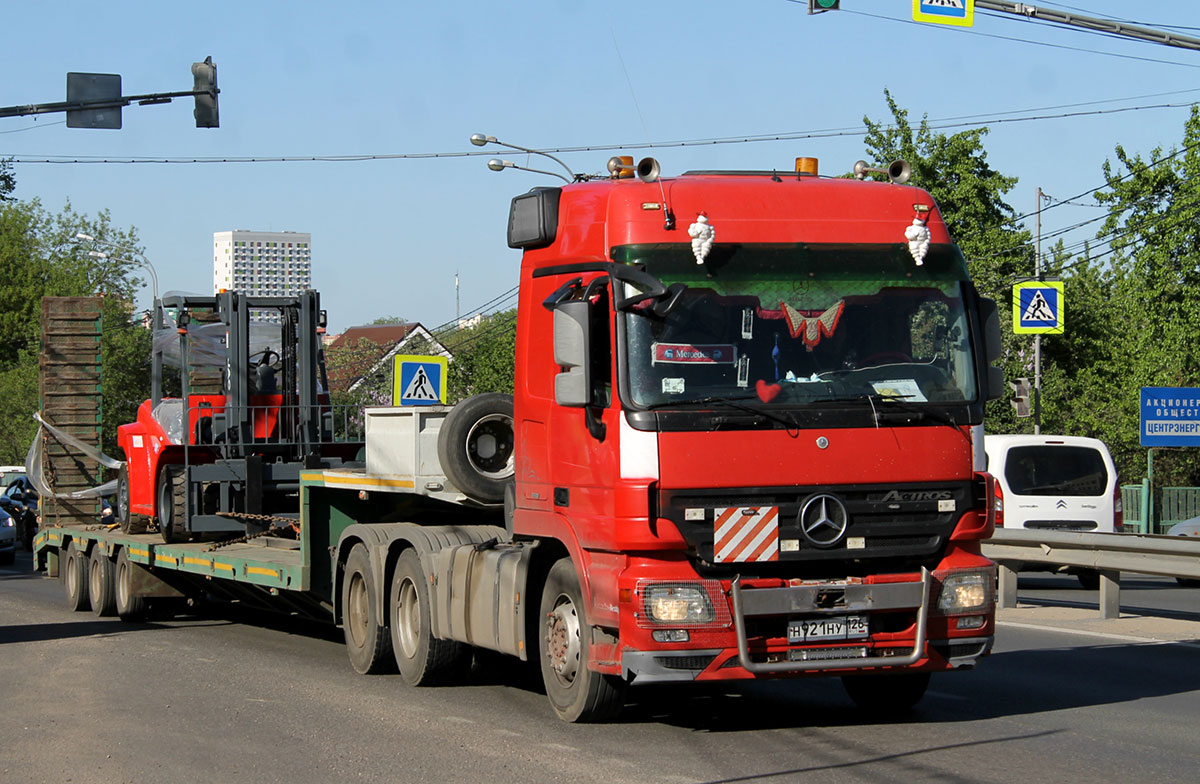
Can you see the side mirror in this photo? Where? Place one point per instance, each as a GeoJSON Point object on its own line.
{"type": "Point", "coordinates": [572, 339]}
{"type": "Point", "coordinates": [990, 316]}
{"type": "Point", "coordinates": [993, 346]}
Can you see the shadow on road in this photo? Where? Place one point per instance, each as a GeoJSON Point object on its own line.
{"type": "Point", "coordinates": [42, 632]}
{"type": "Point", "coordinates": [1008, 684]}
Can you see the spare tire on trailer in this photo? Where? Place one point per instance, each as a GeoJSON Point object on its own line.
{"type": "Point", "coordinates": [476, 444]}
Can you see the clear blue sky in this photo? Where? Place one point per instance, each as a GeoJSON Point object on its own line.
{"type": "Point", "coordinates": [396, 78]}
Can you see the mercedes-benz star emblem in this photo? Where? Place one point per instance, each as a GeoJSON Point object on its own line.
{"type": "Point", "coordinates": [823, 520]}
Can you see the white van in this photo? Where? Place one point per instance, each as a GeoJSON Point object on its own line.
{"type": "Point", "coordinates": [1060, 483]}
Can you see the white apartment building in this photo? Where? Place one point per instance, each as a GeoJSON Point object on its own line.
{"type": "Point", "coordinates": [262, 263]}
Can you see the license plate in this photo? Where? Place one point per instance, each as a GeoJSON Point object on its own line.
{"type": "Point", "coordinates": [842, 627]}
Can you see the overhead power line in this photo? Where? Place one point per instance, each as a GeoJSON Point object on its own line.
{"type": "Point", "coordinates": [947, 124]}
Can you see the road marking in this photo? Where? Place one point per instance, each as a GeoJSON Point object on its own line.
{"type": "Point", "coordinates": [1102, 635]}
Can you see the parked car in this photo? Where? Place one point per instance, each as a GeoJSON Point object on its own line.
{"type": "Point", "coordinates": [1056, 483]}
{"type": "Point", "coordinates": [20, 500]}
{"type": "Point", "coordinates": [8, 538]}
{"type": "Point", "coordinates": [1189, 527]}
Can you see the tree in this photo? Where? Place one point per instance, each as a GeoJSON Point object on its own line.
{"type": "Point", "coordinates": [8, 181]}
{"type": "Point", "coordinates": [1155, 293]}
{"type": "Point", "coordinates": [483, 356]}
{"type": "Point", "coordinates": [38, 257]}
{"type": "Point", "coordinates": [970, 195]}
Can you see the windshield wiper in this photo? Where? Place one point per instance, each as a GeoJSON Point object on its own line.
{"type": "Point", "coordinates": [916, 412]}
{"type": "Point", "coordinates": [732, 402]}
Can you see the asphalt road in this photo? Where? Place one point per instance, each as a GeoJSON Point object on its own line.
{"type": "Point", "coordinates": [255, 698]}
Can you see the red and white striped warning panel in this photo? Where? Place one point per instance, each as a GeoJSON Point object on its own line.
{"type": "Point", "coordinates": [746, 533]}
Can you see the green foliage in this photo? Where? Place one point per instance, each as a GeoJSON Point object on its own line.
{"type": "Point", "coordinates": [483, 356]}
{"type": "Point", "coordinates": [970, 195]}
{"type": "Point", "coordinates": [8, 181]}
{"type": "Point", "coordinates": [39, 257]}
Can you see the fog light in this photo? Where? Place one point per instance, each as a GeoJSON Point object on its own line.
{"type": "Point", "coordinates": [670, 635]}
{"type": "Point", "coordinates": [970, 622]}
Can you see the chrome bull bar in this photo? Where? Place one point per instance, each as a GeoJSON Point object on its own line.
{"type": "Point", "coordinates": [809, 599]}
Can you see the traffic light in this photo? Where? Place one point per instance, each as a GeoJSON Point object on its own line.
{"type": "Point", "coordinates": [1020, 399]}
{"type": "Point", "coordinates": [820, 6]}
{"type": "Point", "coordinates": [205, 87]}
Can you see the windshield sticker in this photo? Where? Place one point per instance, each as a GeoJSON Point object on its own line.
{"type": "Point", "coordinates": [904, 389]}
{"type": "Point", "coordinates": [689, 354]}
{"type": "Point", "coordinates": [810, 325]}
{"type": "Point", "coordinates": [672, 386]}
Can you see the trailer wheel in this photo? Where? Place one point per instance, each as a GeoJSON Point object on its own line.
{"type": "Point", "coordinates": [367, 640]}
{"type": "Point", "coordinates": [886, 695]}
{"type": "Point", "coordinates": [75, 578]}
{"type": "Point", "coordinates": [423, 660]}
{"type": "Point", "coordinates": [101, 584]}
{"type": "Point", "coordinates": [128, 605]}
{"type": "Point", "coordinates": [172, 504]}
{"type": "Point", "coordinates": [577, 693]}
{"type": "Point", "coordinates": [475, 446]}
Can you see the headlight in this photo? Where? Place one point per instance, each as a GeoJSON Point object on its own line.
{"type": "Point", "coordinates": [965, 592]}
{"type": "Point", "coordinates": [9, 522]}
{"type": "Point", "coordinates": [678, 604]}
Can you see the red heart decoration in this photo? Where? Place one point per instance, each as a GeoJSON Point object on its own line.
{"type": "Point", "coordinates": [767, 392]}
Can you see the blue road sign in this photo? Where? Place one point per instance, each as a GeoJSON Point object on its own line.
{"type": "Point", "coordinates": [419, 381]}
{"type": "Point", "coordinates": [1038, 307]}
{"type": "Point", "coordinates": [1170, 416]}
{"type": "Point", "coordinates": [950, 12]}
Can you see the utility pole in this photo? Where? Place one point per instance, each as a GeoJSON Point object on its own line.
{"type": "Point", "coordinates": [1037, 339]}
{"type": "Point", "coordinates": [1108, 26]}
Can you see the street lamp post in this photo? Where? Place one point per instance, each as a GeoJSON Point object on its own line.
{"type": "Point", "coordinates": [141, 261]}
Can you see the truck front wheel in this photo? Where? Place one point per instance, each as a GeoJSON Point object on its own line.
{"type": "Point", "coordinates": [577, 693]}
{"type": "Point", "coordinates": [367, 639]}
{"type": "Point", "coordinates": [422, 659]}
{"type": "Point", "coordinates": [886, 695]}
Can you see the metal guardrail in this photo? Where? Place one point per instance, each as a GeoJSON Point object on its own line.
{"type": "Point", "coordinates": [1108, 554]}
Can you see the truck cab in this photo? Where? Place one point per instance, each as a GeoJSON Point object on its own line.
{"type": "Point", "coordinates": [748, 409]}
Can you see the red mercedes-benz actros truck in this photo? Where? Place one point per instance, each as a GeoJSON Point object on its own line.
{"type": "Point", "coordinates": [745, 442]}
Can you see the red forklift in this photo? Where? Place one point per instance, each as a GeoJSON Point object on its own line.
{"type": "Point", "coordinates": [223, 458]}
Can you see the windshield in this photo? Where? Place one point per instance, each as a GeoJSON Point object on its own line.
{"type": "Point", "coordinates": [801, 324]}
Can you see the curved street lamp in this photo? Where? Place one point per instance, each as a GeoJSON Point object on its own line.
{"type": "Point", "coordinates": [142, 261]}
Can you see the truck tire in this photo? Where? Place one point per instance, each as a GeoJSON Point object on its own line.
{"type": "Point", "coordinates": [367, 640]}
{"type": "Point", "coordinates": [172, 504]}
{"type": "Point", "coordinates": [422, 659]}
{"type": "Point", "coordinates": [475, 446]}
{"type": "Point", "coordinates": [128, 605]}
{"type": "Point", "coordinates": [101, 585]}
{"type": "Point", "coordinates": [886, 695]}
{"type": "Point", "coordinates": [75, 581]}
{"type": "Point", "coordinates": [577, 693]}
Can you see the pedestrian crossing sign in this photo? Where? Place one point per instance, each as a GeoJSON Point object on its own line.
{"type": "Point", "coordinates": [1038, 307]}
{"type": "Point", "coordinates": [419, 381]}
{"type": "Point", "coordinates": [947, 12]}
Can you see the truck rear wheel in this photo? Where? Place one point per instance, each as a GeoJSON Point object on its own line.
{"type": "Point", "coordinates": [101, 584]}
{"type": "Point", "coordinates": [75, 579]}
{"type": "Point", "coordinates": [367, 640]}
{"type": "Point", "coordinates": [172, 504]}
{"type": "Point", "coordinates": [577, 693]}
{"type": "Point", "coordinates": [129, 606]}
{"type": "Point", "coordinates": [423, 659]}
{"type": "Point", "coordinates": [475, 446]}
{"type": "Point", "coordinates": [886, 695]}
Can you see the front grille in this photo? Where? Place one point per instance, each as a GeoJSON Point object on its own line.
{"type": "Point", "coordinates": [905, 522]}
